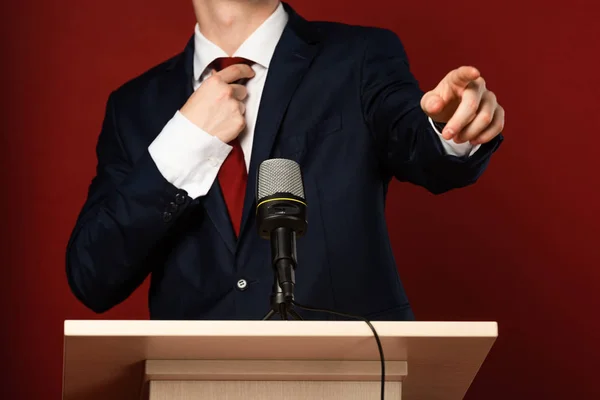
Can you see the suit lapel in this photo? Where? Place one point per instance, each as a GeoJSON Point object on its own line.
{"type": "Point", "coordinates": [292, 58]}
{"type": "Point", "coordinates": [214, 204]}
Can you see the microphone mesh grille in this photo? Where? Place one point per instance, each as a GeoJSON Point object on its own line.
{"type": "Point", "coordinates": [279, 175]}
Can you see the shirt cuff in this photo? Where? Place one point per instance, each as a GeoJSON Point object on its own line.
{"type": "Point", "coordinates": [453, 148]}
{"type": "Point", "coordinates": [188, 157]}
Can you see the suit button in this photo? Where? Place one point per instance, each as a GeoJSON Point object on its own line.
{"type": "Point", "coordinates": [242, 284]}
{"type": "Point", "coordinates": [172, 207]}
{"type": "Point", "coordinates": [167, 216]}
{"type": "Point", "coordinates": [180, 198]}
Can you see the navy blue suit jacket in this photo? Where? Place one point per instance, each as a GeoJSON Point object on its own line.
{"type": "Point", "coordinates": [341, 101]}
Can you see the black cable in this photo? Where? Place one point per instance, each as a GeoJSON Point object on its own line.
{"type": "Point", "coordinates": [370, 326]}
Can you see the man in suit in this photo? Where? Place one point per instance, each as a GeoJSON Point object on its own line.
{"type": "Point", "coordinates": [174, 193]}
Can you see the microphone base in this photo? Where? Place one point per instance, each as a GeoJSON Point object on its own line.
{"type": "Point", "coordinates": [279, 305]}
{"type": "Point", "coordinates": [289, 312]}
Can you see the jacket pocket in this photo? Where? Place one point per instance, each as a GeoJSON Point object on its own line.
{"type": "Point", "coordinates": [295, 143]}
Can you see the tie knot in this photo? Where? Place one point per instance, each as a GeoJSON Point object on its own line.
{"type": "Point", "coordinates": [224, 62]}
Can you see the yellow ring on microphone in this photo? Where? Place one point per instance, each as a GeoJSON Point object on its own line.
{"type": "Point", "coordinates": [278, 199]}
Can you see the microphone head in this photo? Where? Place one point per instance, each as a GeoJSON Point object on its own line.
{"type": "Point", "coordinates": [279, 176]}
{"type": "Point", "coordinates": [280, 198]}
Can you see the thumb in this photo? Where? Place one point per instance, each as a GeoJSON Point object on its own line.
{"type": "Point", "coordinates": [432, 103]}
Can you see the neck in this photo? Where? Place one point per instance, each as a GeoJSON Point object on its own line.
{"type": "Point", "coordinates": [228, 23]}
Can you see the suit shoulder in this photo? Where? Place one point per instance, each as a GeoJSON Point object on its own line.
{"type": "Point", "coordinates": [136, 86]}
{"type": "Point", "coordinates": [333, 31]}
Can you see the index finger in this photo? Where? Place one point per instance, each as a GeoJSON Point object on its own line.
{"type": "Point", "coordinates": [236, 72]}
{"type": "Point", "coordinates": [462, 76]}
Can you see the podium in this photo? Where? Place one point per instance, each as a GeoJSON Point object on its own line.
{"type": "Point", "coordinates": [268, 360]}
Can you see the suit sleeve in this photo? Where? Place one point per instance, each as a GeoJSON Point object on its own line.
{"type": "Point", "coordinates": [123, 225]}
{"type": "Point", "coordinates": [408, 146]}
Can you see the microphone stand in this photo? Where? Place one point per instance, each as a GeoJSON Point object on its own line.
{"type": "Point", "coordinates": [283, 256]}
{"type": "Point", "coordinates": [279, 305]}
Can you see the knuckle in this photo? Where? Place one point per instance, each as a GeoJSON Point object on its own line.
{"type": "Point", "coordinates": [472, 106]}
{"type": "Point", "coordinates": [213, 79]}
{"type": "Point", "coordinates": [486, 117]}
{"type": "Point", "coordinates": [240, 122]}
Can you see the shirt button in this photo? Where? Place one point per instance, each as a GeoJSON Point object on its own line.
{"type": "Point", "coordinates": [167, 216]}
{"type": "Point", "coordinates": [242, 284]}
{"type": "Point", "coordinates": [213, 161]}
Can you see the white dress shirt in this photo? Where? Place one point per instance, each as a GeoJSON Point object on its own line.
{"type": "Point", "coordinates": [188, 157]}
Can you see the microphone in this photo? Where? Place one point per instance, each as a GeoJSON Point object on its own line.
{"type": "Point", "coordinates": [281, 218]}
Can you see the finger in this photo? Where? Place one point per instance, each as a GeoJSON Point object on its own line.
{"type": "Point", "coordinates": [236, 108]}
{"type": "Point", "coordinates": [236, 72]}
{"type": "Point", "coordinates": [432, 103]}
{"type": "Point", "coordinates": [463, 76]}
{"type": "Point", "coordinates": [239, 91]}
{"type": "Point", "coordinates": [493, 130]}
{"type": "Point", "coordinates": [466, 111]}
{"type": "Point", "coordinates": [483, 119]}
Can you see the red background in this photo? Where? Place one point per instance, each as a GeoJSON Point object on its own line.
{"type": "Point", "coordinates": [520, 247]}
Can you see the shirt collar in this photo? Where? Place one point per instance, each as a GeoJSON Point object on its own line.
{"type": "Point", "coordinates": [259, 47]}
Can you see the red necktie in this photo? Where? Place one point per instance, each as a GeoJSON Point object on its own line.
{"type": "Point", "coordinates": [233, 175]}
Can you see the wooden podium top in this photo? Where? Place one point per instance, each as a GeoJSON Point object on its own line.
{"type": "Point", "coordinates": [105, 359]}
